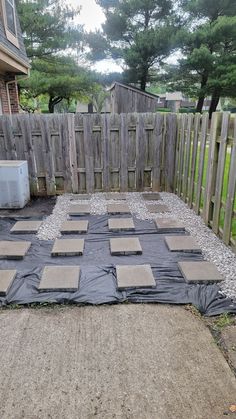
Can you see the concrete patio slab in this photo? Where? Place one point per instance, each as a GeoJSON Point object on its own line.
{"type": "Point", "coordinates": [81, 197]}
{"type": "Point", "coordinates": [26, 227]}
{"type": "Point", "coordinates": [115, 361]}
{"type": "Point", "coordinates": [14, 249]}
{"type": "Point", "coordinates": [182, 244]}
{"type": "Point", "coordinates": [155, 196]}
{"type": "Point", "coordinates": [60, 278]}
{"type": "Point", "coordinates": [127, 246]}
{"type": "Point", "coordinates": [138, 276]}
{"type": "Point", "coordinates": [157, 208]}
{"type": "Point", "coordinates": [79, 209]}
{"type": "Point", "coordinates": [121, 224]}
{"type": "Point", "coordinates": [116, 196]}
{"type": "Point", "coordinates": [165, 224]}
{"type": "Point", "coordinates": [74, 227]}
{"type": "Point", "coordinates": [6, 279]}
{"type": "Point", "coordinates": [199, 272]}
{"type": "Point", "coordinates": [118, 209]}
{"type": "Point", "coordinates": [68, 247]}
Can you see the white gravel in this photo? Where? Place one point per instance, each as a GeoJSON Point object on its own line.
{"type": "Point", "coordinates": [212, 247]}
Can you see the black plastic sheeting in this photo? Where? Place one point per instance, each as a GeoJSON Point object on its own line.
{"type": "Point", "coordinates": [98, 274]}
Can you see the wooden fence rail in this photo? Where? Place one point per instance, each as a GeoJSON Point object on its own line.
{"type": "Point", "coordinates": [87, 153]}
{"type": "Point", "coordinates": [184, 154]}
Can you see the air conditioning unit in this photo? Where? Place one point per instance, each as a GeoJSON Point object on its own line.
{"type": "Point", "coordinates": [14, 184]}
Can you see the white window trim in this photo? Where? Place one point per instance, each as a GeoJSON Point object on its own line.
{"type": "Point", "coordinates": [10, 36]}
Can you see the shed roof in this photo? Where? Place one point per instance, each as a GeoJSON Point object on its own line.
{"type": "Point", "coordinates": [133, 88]}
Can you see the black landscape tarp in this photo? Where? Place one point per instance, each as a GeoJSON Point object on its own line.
{"type": "Point", "coordinates": [98, 274]}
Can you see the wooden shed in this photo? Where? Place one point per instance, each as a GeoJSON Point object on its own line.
{"type": "Point", "coordinates": [126, 98]}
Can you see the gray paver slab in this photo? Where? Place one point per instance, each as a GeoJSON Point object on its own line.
{"type": "Point", "coordinates": [60, 278]}
{"type": "Point", "coordinates": [134, 276]}
{"type": "Point", "coordinates": [158, 208]}
{"type": "Point", "coordinates": [116, 196]}
{"type": "Point", "coordinates": [182, 244]}
{"type": "Point", "coordinates": [14, 249]}
{"type": "Point", "coordinates": [26, 227]}
{"type": "Point", "coordinates": [127, 245]}
{"type": "Point", "coordinates": [6, 279]}
{"type": "Point", "coordinates": [152, 196]}
{"type": "Point", "coordinates": [200, 272]}
{"type": "Point", "coordinates": [79, 209]}
{"type": "Point", "coordinates": [118, 209]}
{"type": "Point", "coordinates": [119, 224]}
{"type": "Point", "coordinates": [68, 247]}
{"type": "Point", "coordinates": [74, 227]}
{"type": "Point", "coordinates": [165, 224]}
{"type": "Point", "coordinates": [81, 197]}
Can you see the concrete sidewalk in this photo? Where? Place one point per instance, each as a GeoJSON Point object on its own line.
{"type": "Point", "coordinates": [124, 361]}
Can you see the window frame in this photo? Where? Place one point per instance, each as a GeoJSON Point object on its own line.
{"type": "Point", "coordinates": [13, 38]}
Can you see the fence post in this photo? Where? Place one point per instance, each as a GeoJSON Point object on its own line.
{"type": "Point", "coordinates": [222, 148]}
{"type": "Point", "coordinates": [211, 168]}
{"type": "Point", "coordinates": [73, 153]}
{"type": "Point", "coordinates": [229, 206]}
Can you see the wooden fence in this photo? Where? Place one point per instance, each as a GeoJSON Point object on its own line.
{"type": "Point", "coordinates": [206, 170]}
{"type": "Point", "coordinates": [184, 154]}
{"type": "Point", "coordinates": [87, 153]}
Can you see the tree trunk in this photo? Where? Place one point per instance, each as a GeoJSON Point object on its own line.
{"type": "Point", "coordinates": [51, 105]}
{"type": "Point", "coordinates": [143, 81]}
{"type": "Point", "coordinates": [214, 102]}
{"type": "Point", "coordinates": [201, 97]}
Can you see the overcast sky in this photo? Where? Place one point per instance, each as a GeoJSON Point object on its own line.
{"type": "Point", "coordinates": [92, 17]}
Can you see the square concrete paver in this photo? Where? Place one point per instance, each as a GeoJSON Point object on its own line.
{"type": "Point", "coordinates": [200, 272]}
{"type": "Point", "coordinates": [81, 197]}
{"type": "Point", "coordinates": [60, 278]}
{"type": "Point", "coordinates": [74, 227]}
{"type": "Point", "coordinates": [14, 249]}
{"type": "Point", "coordinates": [118, 209]}
{"type": "Point", "coordinates": [182, 244]}
{"type": "Point", "coordinates": [26, 227]}
{"type": "Point", "coordinates": [135, 276]}
{"type": "Point", "coordinates": [68, 247]}
{"type": "Point", "coordinates": [119, 224]}
{"type": "Point", "coordinates": [116, 196]}
{"type": "Point", "coordinates": [165, 224]}
{"type": "Point", "coordinates": [157, 208]}
{"type": "Point", "coordinates": [6, 279]}
{"type": "Point", "coordinates": [127, 246]}
{"type": "Point", "coordinates": [79, 209]}
{"type": "Point", "coordinates": [155, 196]}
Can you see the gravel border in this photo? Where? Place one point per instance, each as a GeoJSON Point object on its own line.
{"type": "Point", "coordinates": [213, 249]}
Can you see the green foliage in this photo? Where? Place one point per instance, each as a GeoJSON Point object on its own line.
{"type": "Point", "coordinates": [59, 78]}
{"type": "Point", "coordinates": [139, 32]}
{"type": "Point", "coordinates": [48, 27]}
{"type": "Point", "coordinates": [187, 110]}
{"type": "Point", "coordinates": [163, 110]}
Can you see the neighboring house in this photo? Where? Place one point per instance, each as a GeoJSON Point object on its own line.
{"type": "Point", "coordinates": [174, 101]}
{"type": "Point", "coordinates": [126, 98]}
{"type": "Point", "coordinates": [13, 58]}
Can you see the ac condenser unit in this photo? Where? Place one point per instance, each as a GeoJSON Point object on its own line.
{"type": "Point", "coordinates": [14, 184]}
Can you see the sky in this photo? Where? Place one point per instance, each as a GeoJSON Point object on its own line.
{"type": "Point", "coordinates": [92, 17]}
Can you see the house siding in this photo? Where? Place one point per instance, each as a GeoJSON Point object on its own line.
{"type": "Point", "coordinates": [19, 52]}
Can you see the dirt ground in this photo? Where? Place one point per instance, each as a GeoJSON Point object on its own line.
{"type": "Point", "coordinates": [37, 207]}
{"type": "Point", "coordinates": [121, 361]}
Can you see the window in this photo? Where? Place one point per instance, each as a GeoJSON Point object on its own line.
{"type": "Point", "coordinates": [10, 15]}
{"type": "Point", "coordinates": [10, 22]}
